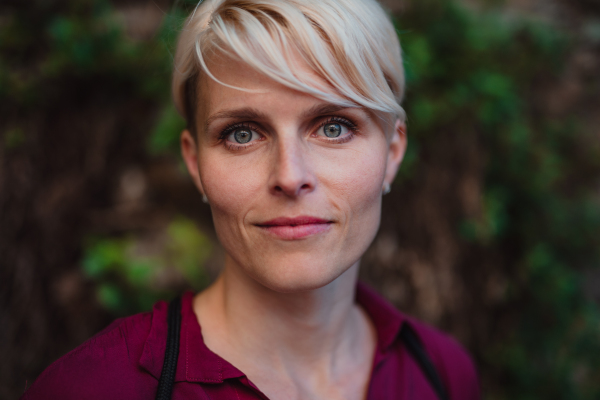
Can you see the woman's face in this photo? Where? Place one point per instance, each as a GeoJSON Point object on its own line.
{"type": "Point", "coordinates": [294, 183]}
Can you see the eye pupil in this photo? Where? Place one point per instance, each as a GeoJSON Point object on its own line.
{"type": "Point", "coordinates": [333, 130]}
{"type": "Point", "coordinates": [242, 135]}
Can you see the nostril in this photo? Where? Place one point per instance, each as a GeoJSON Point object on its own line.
{"type": "Point", "coordinates": [293, 191]}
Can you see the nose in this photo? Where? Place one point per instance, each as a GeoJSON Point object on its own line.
{"type": "Point", "coordinates": [292, 175]}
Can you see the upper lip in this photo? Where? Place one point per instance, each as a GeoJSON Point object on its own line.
{"type": "Point", "coordinates": [302, 220]}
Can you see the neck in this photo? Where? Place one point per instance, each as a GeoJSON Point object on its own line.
{"type": "Point", "coordinates": [316, 330]}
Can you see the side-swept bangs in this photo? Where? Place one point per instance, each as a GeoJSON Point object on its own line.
{"type": "Point", "coordinates": [350, 44]}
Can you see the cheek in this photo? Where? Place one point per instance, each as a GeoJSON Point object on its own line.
{"type": "Point", "coordinates": [353, 183]}
{"type": "Point", "coordinates": [236, 187]}
{"type": "Point", "coordinates": [354, 179]}
{"type": "Point", "coordinates": [230, 182]}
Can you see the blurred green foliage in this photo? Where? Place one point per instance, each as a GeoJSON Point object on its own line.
{"type": "Point", "coordinates": [475, 74]}
{"type": "Point", "coordinates": [165, 136]}
{"type": "Point", "coordinates": [132, 273]}
{"type": "Point", "coordinates": [82, 41]}
{"type": "Point", "coordinates": [13, 138]}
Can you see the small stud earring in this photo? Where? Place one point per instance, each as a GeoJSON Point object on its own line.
{"type": "Point", "coordinates": [386, 188]}
{"type": "Point", "coordinates": [204, 199]}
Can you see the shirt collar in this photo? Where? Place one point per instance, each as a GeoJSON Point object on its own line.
{"type": "Point", "coordinates": [386, 318]}
{"type": "Point", "coordinates": [197, 363]}
{"type": "Point", "coordinates": [201, 364]}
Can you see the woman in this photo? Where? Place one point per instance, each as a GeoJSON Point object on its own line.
{"type": "Point", "coordinates": [295, 131]}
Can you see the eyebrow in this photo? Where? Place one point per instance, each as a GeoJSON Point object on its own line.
{"type": "Point", "coordinates": [322, 109]}
{"type": "Point", "coordinates": [253, 113]}
{"type": "Point", "coordinates": [241, 113]}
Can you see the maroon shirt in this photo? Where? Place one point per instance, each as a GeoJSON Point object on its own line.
{"type": "Point", "coordinates": [124, 361]}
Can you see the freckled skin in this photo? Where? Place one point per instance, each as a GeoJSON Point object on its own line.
{"type": "Point", "coordinates": [290, 171]}
{"type": "Point", "coordinates": [282, 310]}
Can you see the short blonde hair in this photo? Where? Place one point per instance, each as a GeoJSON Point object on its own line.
{"type": "Point", "coordinates": [351, 44]}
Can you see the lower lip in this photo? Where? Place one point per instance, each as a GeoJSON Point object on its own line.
{"type": "Point", "coordinates": [292, 232]}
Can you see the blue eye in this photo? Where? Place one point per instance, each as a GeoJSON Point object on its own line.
{"type": "Point", "coordinates": [333, 130]}
{"type": "Point", "coordinates": [242, 135]}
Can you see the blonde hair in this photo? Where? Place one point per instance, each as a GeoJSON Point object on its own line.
{"type": "Point", "coordinates": [351, 44]}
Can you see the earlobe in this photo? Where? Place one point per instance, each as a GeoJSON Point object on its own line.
{"type": "Point", "coordinates": [396, 149]}
{"type": "Point", "coordinates": [189, 152]}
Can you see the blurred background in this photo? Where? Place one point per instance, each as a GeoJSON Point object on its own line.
{"type": "Point", "coordinates": [491, 231]}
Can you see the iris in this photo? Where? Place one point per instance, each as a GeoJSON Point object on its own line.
{"type": "Point", "coordinates": [332, 130]}
{"type": "Point", "coordinates": [242, 135]}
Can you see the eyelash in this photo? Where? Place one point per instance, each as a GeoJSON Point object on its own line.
{"type": "Point", "coordinates": [352, 128]}
{"type": "Point", "coordinates": [230, 128]}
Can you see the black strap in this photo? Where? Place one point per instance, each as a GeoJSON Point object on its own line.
{"type": "Point", "coordinates": [167, 376]}
{"type": "Point", "coordinates": [415, 348]}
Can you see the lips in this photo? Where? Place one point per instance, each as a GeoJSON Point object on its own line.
{"type": "Point", "coordinates": [295, 228]}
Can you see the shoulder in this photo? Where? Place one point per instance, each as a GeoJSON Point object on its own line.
{"type": "Point", "coordinates": [105, 366]}
{"type": "Point", "coordinates": [452, 361]}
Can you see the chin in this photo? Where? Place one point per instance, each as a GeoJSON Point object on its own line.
{"type": "Point", "coordinates": [297, 274]}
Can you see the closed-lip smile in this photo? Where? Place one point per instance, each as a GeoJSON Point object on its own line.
{"type": "Point", "coordinates": [295, 228]}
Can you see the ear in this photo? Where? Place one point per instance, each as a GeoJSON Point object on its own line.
{"type": "Point", "coordinates": [189, 151]}
{"type": "Point", "coordinates": [396, 149]}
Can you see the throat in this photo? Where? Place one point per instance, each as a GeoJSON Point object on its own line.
{"type": "Point", "coordinates": [315, 344]}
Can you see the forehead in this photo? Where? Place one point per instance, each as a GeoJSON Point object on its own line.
{"type": "Point", "coordinates": [238, 84]}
